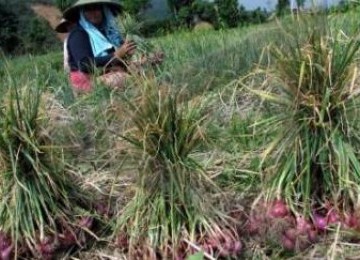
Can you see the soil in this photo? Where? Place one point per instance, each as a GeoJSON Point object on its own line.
{"type": "Point", "coordinates": [51, 14]}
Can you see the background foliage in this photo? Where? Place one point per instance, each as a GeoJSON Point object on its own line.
{"type": "Point", "coordinates": [26, 33]}
{"type": "Point", "coordinates": [23, 31]}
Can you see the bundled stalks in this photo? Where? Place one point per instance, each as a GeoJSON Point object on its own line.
{"type": "Point", "coordinates": [40, 201]}
{"type": "Point", "coordinates": [173, 205]}
{"type": "Point", "coordinates": [312, 85]}
{"type": "Point", "coordinates": [146, 52]}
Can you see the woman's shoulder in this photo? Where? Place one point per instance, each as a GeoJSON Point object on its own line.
{"type": "Point", "coordinates": [77, 31]}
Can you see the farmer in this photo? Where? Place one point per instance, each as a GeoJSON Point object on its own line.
{"type": "Point", "coordinates": [95, 42]}
{"type": "Point", "coordinates": [65, 26]}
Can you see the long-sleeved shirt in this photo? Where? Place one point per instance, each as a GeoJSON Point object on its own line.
{"type": "Point", "coordinates": [81, 57]}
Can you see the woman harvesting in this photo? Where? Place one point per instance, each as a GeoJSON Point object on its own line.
{"type": "Point", "coordinates": [96, 42]}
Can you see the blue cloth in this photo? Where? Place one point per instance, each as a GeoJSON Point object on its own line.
{"type": "Point", "coordinates": [101, 43]}
{"type": "Point", "coordinates": [111, 28]}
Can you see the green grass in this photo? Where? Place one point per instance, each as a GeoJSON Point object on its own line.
{"type": "Point", "coordinates": [205, 65]}
{"type": "Point", "coordinates": [38, 193]}
{"type": "Point", "coordinates": [169, 205]}
{"type": "Point", "coordinates": [311, 84]}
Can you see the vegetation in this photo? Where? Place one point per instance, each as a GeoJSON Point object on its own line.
{"type": "Point", "coordinates": [24, 33]}
{"type": "Point", "coordinates": [228, 12]}
{"type": "Point", "coordinates": [282, 7]}
{"type": "Point", "coordinates": [169, 205]}
{"type": "Point", "coordinates": [258, 160]}
{"type": "Point", "coordinates": [40, 198]}
{"type": "Point", "coordinates": [30, 34]}
{"type": "Point", "coordinates": [135, 7]}
{"type": "Point", "coordinates": [312, 83]}
{"type": "Point", "coordinates": [64, 4]}
{"type": "Point", "coordinates": [312, 164]}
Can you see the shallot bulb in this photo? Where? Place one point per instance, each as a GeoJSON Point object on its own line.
{"type": "Point", "coordinates": [237, 247]}
{"type": "Point", "coordinates": [6, 246]}
{"type": "Point", "coordinates": [312, 236]}
{"type": "Point", "coordinates": [253, 226]}
{"type": "Point", "coordinates": [333, 216]}
{"type": "Point", "coordinates": [86, 222]}
{"type": "Point", "coordinates": [351, 220]}
{"type": "Point", "coordinates": [278, 209]}
{"type": "Point", "coordinates": [102, 209]}
{"type": "Point", "coordinates": [320, 222]}
{"type": "Point", "coordinates": [47, 247]}
{"type": "Point", "coordinates": [122, 241]}
{"type": "Point", "coordinates": [6, 252]}
{"type": "Point", "coordinates": [67, 238]}
{"type": "Point", "coordinates": [302, 225]}
{"type": "Point", "coordinates": [287, 243]}
{"type": "Point", "coordinates": [291, 233]}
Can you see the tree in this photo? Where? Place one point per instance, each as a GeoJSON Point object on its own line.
{"type": "Point", "coordinates": [176, 5]}
{"type": "Point", "coordinates": [64, 4]}
{"type": "Point", "coordinates": [8, 30]}
{"type": "Point", "coordinates": [205, 11]}
{"type": "Point", "coordinates": [300, 3]}
{"type": "Point", "coordinates": [282, 7]}
{"type": "Point", "coordinates": [183, 10]}
{"type": "Point", "coordinates": [134, 7]}
{"type": "Point", "coordinates": [24, 33]}
{"type": "Point", "coordinates": [257, 16]}
{"type": "Point", "coordinates": [228, 12]}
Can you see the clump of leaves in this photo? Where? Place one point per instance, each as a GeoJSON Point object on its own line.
{"type": "Point", "coordinates": [130, 27]}
{"type": "Point", "coordinates": [173, 202]}
{"type": "Point", "coordinates": [313, 87]}
{"type": "Point", "coordinates": [39, 198]}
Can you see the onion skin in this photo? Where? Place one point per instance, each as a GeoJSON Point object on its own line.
{"type": "Point", "coordinates": [86, 222]}
{"type": "Point", "coordinates": [224, 252]}
{"type": "Point", "coordinates": [351, 221]}
{"type": "Point", "coordinates": [291, 234]}
{"type": "Point", "coordinates": [302, 225]}
{"type": "Point", "coordinates": [47, 247]}
{"type": "Point", "coordinates": [237, 247]}
{"type": "Point", "coordinates": [320, 222]}
{"type": "Point", "coordinates": [4, 240]}
{"type": "Point", "coordinates": [253, 227]}
{"type": "Point", "coordinates": [6, 247]}
{"type": "Point", "coordinates": [287, 243]}
{"type": "Point", "coordinates": [302, 242]}
{"type": "Point", "coordinates": [102, 209]}
{"type": "Point", "coordinates": [224, 244]}
{"type": "Point", "coordinates": [122, 241]}
{"type": "Point", "coordinates": [207, 248]}
{"type": "Point", "coordinates": [6, 253]}
{"type": "Point", "coordinates": [68, 238]}
{"type": "Point", "coordinates": [333, 216]}
{"type": "Point", "coordinates": [313, 236]}
{"type": "Point", "coordinates": [278, 209]}
{"type": "Point", "coordinates": [213, 242]}
{"type": "Point", "coordinates": [47, 256]}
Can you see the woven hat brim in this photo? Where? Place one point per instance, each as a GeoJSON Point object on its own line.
{"type": "Point", "coordinates": [62, 27]}
{"type": "Point", "coordinates": [72, 13]}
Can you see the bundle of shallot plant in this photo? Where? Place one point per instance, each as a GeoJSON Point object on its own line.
{"type": "Point", "coordinates": [173, 210]}
{"type": "Point", "coordinates": [38, 194]}
{"type": "Point", "coordinates": [311, 85]}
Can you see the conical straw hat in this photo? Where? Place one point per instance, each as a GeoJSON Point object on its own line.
{"type": "Point", "coordinates": [62, 27]}
{"type": "Point", "coordinates": [72, 13]}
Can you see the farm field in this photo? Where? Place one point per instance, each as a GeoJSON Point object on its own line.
{"type": "Point", "coordinates": [243, 144]}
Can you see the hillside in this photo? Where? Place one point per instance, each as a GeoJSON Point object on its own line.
{"type": "Point", "coordinates": [49, 13]}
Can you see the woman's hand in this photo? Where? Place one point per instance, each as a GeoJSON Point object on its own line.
{"type": "Point", "coordinates": [127, 48]}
